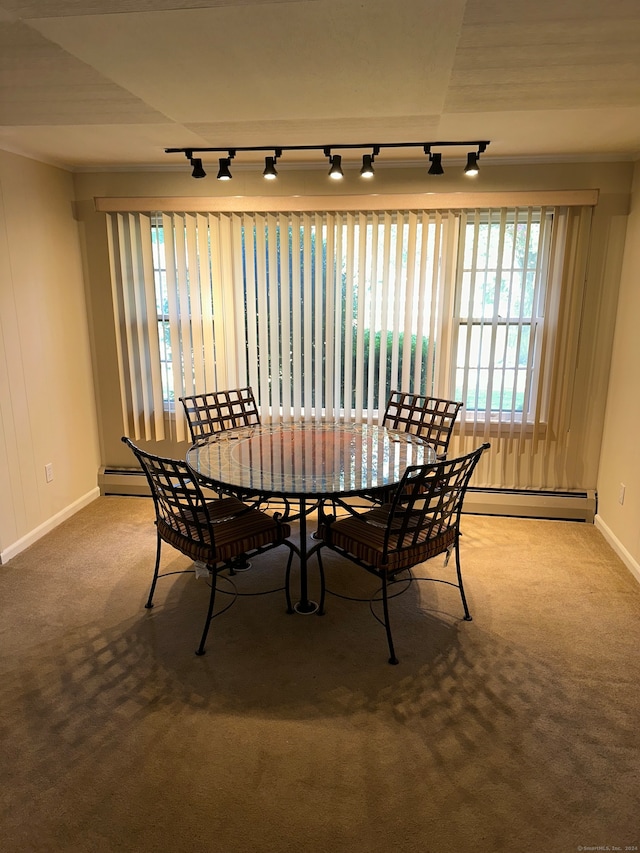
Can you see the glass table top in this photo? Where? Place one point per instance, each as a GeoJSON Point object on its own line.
{"type": "Point", "coordinates": [308, 459]}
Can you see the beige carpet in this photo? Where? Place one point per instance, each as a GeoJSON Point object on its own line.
{"type": "Point", "coordinates": [515, 732]}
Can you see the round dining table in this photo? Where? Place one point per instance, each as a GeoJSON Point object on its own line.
{"type": "Point", "coordinates": [307, 462]}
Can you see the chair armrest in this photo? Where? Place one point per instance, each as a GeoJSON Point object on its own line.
{"type": "Point", "coordinates": [336, 503]}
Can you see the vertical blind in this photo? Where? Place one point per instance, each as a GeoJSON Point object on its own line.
{"type": "Point", "coordinates": [324, 313]}
{"type": "Point", "coordinates": [339, 308]}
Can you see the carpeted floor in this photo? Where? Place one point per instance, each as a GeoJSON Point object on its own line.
{"type": "Point", "coordinates": [516, 732]}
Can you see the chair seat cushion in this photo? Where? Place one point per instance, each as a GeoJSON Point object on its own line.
{"type": "Point", "coordinates": [226, 507]}
{"type": "Point", "coordinates": [363, 537]}
{"type": "Point", "coordinates": [237, 529]}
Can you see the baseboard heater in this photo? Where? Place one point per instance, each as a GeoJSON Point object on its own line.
{"type": "Point", "coordinates": [529, 503]}
{"type": "Point", "coordinates": [523, 503]}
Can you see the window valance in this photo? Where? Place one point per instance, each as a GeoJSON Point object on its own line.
{"type": "Point", "coordinates": [392, 201]}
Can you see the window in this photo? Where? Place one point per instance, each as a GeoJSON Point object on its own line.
{"type": "Point", "coordinates": [499, 311]}
{"type": "Point", "coordinates": [334, 311]}
{"type": "Point", "coordinates": [324, 313]}
{"type": "Point", "coordinates": [162, 311]}
{"type": "Point", "coordinates": [338, 309]}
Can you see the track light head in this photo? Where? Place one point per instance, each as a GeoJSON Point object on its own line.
{"type": "Point", "coordinates": [335, 171]}
{"type": "Point", "coordinates": [270, 171]}
{"type": "Point", "coordinates": [367, 170]}
{"type": "Point", "coordinates": [472, 168]}
{"type": "Point", "coordinates": [198, 171]}
{"type": "Point", "coordinates": [224, 173]}
{"type": "Point", "coordinates": [436, 164]}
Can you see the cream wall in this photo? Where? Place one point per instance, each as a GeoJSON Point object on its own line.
{"type": "Point", "coordinates": [47, 404]}
{"type": "Point", "coordinates": [53, 408]}
{"type": "Point", "coordinates": [620, 457]}
{"type": "Point", "coordinates": [572, 463]}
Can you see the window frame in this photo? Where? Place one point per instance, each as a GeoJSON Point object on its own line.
{"type": "Point", "coordinates": [536, 407]}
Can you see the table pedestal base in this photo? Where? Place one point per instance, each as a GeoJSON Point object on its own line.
{"type": "Point", "coordinates": [306, 608]}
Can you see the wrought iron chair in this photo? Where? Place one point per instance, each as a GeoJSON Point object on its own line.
{"type": "Point", "coordinates": [219, 410]}
{"type": "Point", "coordinates": [216, 411]}
{"type": "Point", "coordinates": [431, 418]}
{"type": "Point", "coordinates": [211, 532]}
{"type": "Point", "coordinates": [421, 521]}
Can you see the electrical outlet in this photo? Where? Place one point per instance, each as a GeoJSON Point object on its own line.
{"type": "Point", "coordinates": [621, 493]}
{"type": "Point", "coordinates": [48, 471]}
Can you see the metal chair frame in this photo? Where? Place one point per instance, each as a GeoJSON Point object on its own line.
{"type": "Point", "coordinates": [421, 521]}
{"type": "Point", "coordinates": [431, 418]}
{"type": "Point", "coordinates": [216, 411]}
{"type": "Point", "coordinates": [213, 532]}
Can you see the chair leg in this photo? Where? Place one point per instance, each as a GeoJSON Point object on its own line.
{"type": "Point", "coordinates": [149, 603]}
{"type": "Point", "coordinates": [287, 580]}
{"type": "Point", "coordinates": [467, 616]}
{"type": "Point", "coordinates": [212, 598]}
{"type": "Point", "coordinates": [322, 584]}
{"type": "Point", "coordinates": [385, 606]}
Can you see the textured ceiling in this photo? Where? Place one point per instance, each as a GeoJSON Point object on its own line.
{"type": "Point", "coordinates": [84, 87]}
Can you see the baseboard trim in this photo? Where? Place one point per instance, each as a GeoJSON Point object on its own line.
{"type": "Point", "coordinates": [618, 547]}
{"type": "Point", "coordinates": [567, 506]}
{"type": "Point", "coordinates": [48, 525]}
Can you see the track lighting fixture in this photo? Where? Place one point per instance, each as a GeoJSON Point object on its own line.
{"type": "Point", "coordinates": [335, 172]}
{"type": "Point", "coordinates": [224, 172]}
{"type": "Point", "coordinates": [196, 163]}
{"type": "Point", "coordinates": [270, 171]}
{"type": "Point", "coordinates": [436, 164]}
{"type": "Point", "coordinates": [471, 168]}
{"type": "Point", "coordinates": [335, 160]}
{"type": "Point", "coordinates": [198, 171]}
{"type": "Point", "coordinates": [367, 170]}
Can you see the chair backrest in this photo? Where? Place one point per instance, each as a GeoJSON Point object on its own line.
{"type": "Point", "coordinates": [181, 508]}
{"type": "Point", "coordinates": [217, 411]}
{"type": "Point", "coordinates": [428, 501]}
{"type": "Point", "coordinates": [431, 418]}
